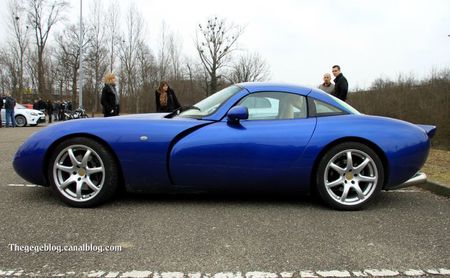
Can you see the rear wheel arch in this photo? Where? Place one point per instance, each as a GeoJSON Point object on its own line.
{"type": "Point", "coordinates": [370, 144]}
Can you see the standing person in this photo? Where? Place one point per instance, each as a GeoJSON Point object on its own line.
{"type": "Point", "coordinates": [110, 98]}
{"type": "Point", "coordinates": [41, 105]}
{"type": "Point", "coordinates": [327, 86]}
{"type": "Point", "coordinates": [340, 83]}
{"type": "Point", "coordinates": [62, 109]}
{"type": "Point", "coordinates": [56, 110]}
{"type": "Point", "coordinates": [10, 103]}
{"type": "Point", "coordinates": [49, 110]}
{"type": "Point", "coordinates": [1, 107]}
{"type": "Point", "coordinates": [166, 101]}
{"type": "Point", "coordinates": [69, 105]}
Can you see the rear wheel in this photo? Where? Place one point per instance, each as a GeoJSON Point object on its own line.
{"type": "Point", "coordinates": [349, 176]}
{"type": "Point", "coordinates": [83, 172]}
{"type": "Point", "coordinates": [21, 121]}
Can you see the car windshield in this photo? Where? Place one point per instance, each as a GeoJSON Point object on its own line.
{"type": "Point", "coordinates": [19, 106]}
{"type": "Point", "coordinates": [210, 104]}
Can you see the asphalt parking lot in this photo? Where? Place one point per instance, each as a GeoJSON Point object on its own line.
{"type": "Point", "coordinates": [403, 233]}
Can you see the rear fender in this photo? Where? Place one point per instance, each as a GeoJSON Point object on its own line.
{"type": "Point", "coordinates": [430, 130]}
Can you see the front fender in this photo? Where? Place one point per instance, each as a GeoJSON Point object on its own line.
{"type": "Point", "coordinates": [140, 144]}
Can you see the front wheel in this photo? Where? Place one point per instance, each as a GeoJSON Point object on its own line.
{"type": "Point", "coordinates": [20, 121]}
{"type": "Point", "coordinates": [82, 172]}
{"type": "Point", "coordinates": [350, 175]}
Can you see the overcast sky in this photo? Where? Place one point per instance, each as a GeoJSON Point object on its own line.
{"type": "Point", "coordinates": [301, 40]}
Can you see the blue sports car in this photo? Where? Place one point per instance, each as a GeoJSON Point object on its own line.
{"type": "Point", "coordinates": [247, 137]}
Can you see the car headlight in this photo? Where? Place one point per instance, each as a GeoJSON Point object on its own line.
{"type": "Point", "coordinates": [33, 113]}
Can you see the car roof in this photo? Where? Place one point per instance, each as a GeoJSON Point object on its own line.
{"type": "Point", "coordinates": [253, 87]}
{"type": "Point", "coordinates": [275, 87]}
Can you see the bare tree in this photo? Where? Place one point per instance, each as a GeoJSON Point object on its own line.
{"type": "Point", "coordinates": [250, 67]}
{"type": "Point", "coordinates": [380, 84]}
{"type": "Point", "coordinates": [215, 42]}
{"type": "Point", "coordinates": [128, 56]}
{"type": "Point", "coordinates": [190, 73]}
{"type": "Point", "coordinates": [42, 16]}
{"type": "Point", "coordinates": [19, 44]}
{"type": "Point", "coordinates": [163, 56]}
{"type": "Point", "coordinates": [5, 71]}
{"type": "Point", "coordinates": [147, 77]}
{"type": "Point", "coordinates": [112, 23]}
{"type": "Point", "coordinates": [62, 74]}
{"type": "Point", "coordinates": [68, 53]}
{"type": "Point", "coordinates": [97, 55]}
{"type": "Point", "coordinates": [174, 51]}
{"type": "Point", "coordinates": [169, 55]}
{"type": "Point", "coordinates": [196, 75]}
{"type": "Point", "coordinates": [31, 69]}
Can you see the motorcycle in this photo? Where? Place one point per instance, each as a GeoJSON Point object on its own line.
{"type": "Point", "coordinates": [79, 113]}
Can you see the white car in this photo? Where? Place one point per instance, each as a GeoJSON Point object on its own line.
{"type": "Point", "coordinates": [25, 116]}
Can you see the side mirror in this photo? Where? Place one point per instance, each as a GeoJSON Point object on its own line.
{"type": "Point", "coordinates": [237, 113]}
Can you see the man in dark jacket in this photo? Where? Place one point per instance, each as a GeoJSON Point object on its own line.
{"type": "Point", "coordinates": [62, 109]}
{"type": "Point", "coordinates": [340, 83]}
{"type": "Point", "coordinates": [42, 106]}
{"type": "Point", "coordinates": [49, 110]}
{"type": "Point", "coordinates": [10, 103]}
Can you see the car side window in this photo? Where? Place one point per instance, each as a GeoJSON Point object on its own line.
{"type": "Point", "coordinates": [274, 106]}
{"type": "Point", "coordinates": [325, 109]}
{"type": "Point", "coordinates": [256, 102]}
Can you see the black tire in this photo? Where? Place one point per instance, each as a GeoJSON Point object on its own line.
{"type": "Point", "coordinates": [86, 179]}
{"type": "Point", "coordinates": [362, 180]}
{"type": "Point", "coordinates": [21, 121]}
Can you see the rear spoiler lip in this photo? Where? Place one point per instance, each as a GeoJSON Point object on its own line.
{"type": "Point", "coordinates": [430, 130]}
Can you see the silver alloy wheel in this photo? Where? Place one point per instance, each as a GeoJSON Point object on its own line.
{"type": "Point", "coordinates": [351, 177]}
{"type": "Point", "coordinates": [78, 173]}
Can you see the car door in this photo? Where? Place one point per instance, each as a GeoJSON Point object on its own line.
{"type": "Point", "coordinates": [264, 151]}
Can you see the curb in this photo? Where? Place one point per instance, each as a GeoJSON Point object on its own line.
{"type": "Point", "coordinates": [436, 188]}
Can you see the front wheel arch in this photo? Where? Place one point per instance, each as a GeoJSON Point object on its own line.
{"type": "Point", "coordinates": [24, 120]}
{"type": "Point", "coordinates": [52, 147]}
{"type": "Point", "coordinates": [82, 172]}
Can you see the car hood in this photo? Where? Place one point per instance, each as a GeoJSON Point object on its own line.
{"type": "Point", "coordinates": [29, 110]}
{"type": "Point", "coordinates": [122, 125]}
{"type": "Point", "coordinates": [141, 116]}
{"type": "Point", "coordinates": [151, 118]}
